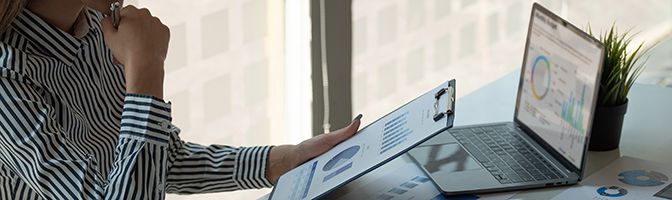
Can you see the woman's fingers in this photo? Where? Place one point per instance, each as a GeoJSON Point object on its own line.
{"type": "Point", "coordinates": [350, 130]}
{"type": "Point", "coordinates": [140, 44]}
{"type": "Point", "coordinates": [322, 143]}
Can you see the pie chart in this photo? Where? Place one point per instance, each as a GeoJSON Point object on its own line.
{"type": "Point", "coordinates": [340, 163]}
{"type": "Point", "coordinates": [541, 77]}
{"type": "Point", "coordinates": [612, 191]}
{"type": "Point", "coordinates": [642, 178]}
{"type": "Point", "coordinates": [341, 158]}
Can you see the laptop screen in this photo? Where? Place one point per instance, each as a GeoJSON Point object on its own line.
{"type": "Point", "coordinates": [558, 87]}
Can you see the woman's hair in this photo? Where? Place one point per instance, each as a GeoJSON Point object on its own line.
{"type": "Point", "coordinates": [9, 9]}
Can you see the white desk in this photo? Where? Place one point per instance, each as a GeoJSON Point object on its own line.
{"type": "Point", "coordinates": [647, 130]}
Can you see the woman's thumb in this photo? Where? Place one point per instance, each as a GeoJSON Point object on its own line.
{"type": "Point", "coordinates": [354, 125]}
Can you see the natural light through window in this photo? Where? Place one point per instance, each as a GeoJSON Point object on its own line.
{"type": "Point", "coordinates": [231, 78]}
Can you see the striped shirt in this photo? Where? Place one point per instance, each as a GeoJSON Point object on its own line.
{"type": "Point", "coordinates": [69, 130]}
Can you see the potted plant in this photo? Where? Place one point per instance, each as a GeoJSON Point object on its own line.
{"type": "Point", "coordinates": [620, 70]}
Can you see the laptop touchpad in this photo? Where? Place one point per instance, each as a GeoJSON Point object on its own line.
{"type": "Point", "coordinates": [444, 158]}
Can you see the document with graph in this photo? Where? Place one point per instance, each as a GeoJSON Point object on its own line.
{"type": "Point", "coordinates": [373, 146]}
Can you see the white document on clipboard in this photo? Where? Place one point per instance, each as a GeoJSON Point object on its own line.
{"type": "Point", "coordinates": [373, 146]}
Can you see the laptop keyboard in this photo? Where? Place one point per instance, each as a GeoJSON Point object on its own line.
{"type": "Point", "coordinates": [505, 154]}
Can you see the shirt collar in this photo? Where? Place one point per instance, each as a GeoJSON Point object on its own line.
{"type": "Point", "coordinates": [50, 40]}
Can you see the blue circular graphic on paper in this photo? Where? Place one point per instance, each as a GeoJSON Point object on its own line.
{"type": "Point", "coordinates": [645, 178]}
{"type": "Point", "coordinates": [341, 158]}
{"type": "Point", "coordinates": [612, 191]}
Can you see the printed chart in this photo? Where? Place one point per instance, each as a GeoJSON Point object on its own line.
{"type": "Point", "coordinates": [395, 132]}
{"type": "Point", "coordinates": [642, 178]}
{"type": "Point", "coordinates": [627, 178]}
{"type": "Point", "coordinates": [340, 162]}
{"type": "Point", "coordinates": [611, 191]}
{"type": "Point", "coordinates": [372, 146]}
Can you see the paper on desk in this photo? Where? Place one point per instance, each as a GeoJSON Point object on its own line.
{"type": "Point", "coordinates": [623, 179]}
{"type": "Point", "coordinates": [381, 141]}
{"type": "Point", "coordinates": [406, 182]}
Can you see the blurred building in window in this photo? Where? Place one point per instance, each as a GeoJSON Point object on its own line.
{"type": "Point", "coordinates": [401, 48]}
{"type": "Point", "coordinates": [225, 74]}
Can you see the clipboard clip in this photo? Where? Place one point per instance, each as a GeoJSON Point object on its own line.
{"type": "Point", "coordinates": [450, 90]}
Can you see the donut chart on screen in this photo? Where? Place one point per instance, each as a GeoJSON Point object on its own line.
{"type": "Point", "coordinates": [541, 77]}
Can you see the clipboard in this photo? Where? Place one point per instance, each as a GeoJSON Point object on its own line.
{"type": "Point", "coordinates": [374, 145]}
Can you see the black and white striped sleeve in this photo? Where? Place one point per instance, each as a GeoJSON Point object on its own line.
{"type": "Point", "coordinates": [205, 169]}
{"type": "Point", "coordinates": [190, 168]}
{"type": "Point", "coordinates": [37, 149]}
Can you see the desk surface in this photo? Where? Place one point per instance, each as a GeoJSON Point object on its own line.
{"type": "Point", "coordinates": [646, 131]}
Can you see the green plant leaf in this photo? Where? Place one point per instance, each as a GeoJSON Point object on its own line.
{"type": "Point", "coordinates": [620, 67]}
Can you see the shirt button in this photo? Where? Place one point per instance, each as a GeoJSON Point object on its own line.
{"type": "Point", "coordinates": [165, 125]}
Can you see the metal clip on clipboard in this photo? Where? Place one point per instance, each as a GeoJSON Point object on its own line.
{"type": "Point", "coordinates": [450, 91]}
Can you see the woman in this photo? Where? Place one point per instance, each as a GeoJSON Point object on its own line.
{"type": "Point", "coordinates": [75, 125]}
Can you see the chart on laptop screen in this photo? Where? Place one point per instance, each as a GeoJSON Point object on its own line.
{"type": "Point", "coordinates": [560, 73]}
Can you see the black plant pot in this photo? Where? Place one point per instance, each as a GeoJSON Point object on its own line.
{"type": "Point", "coordinates": [607, 126]}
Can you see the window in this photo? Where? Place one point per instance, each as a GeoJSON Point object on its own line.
{"type": "Point", "coordinates": [226, 74]}
{"type": "Point", "coordinates": [401, 48]}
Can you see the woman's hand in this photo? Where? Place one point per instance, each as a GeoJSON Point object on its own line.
{"type": "Point", "coordinates": [140, 44]}
{"type": "Point", "coordinates": [286, 157]}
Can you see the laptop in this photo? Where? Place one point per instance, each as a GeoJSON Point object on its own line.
{"type": "Point", "coordinates": [546, 143]}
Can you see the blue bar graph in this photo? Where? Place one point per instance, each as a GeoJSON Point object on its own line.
{"type": "Point", "coordinates": [572, 110]}
{"type": "Point", "coordinates": [395, 132]}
